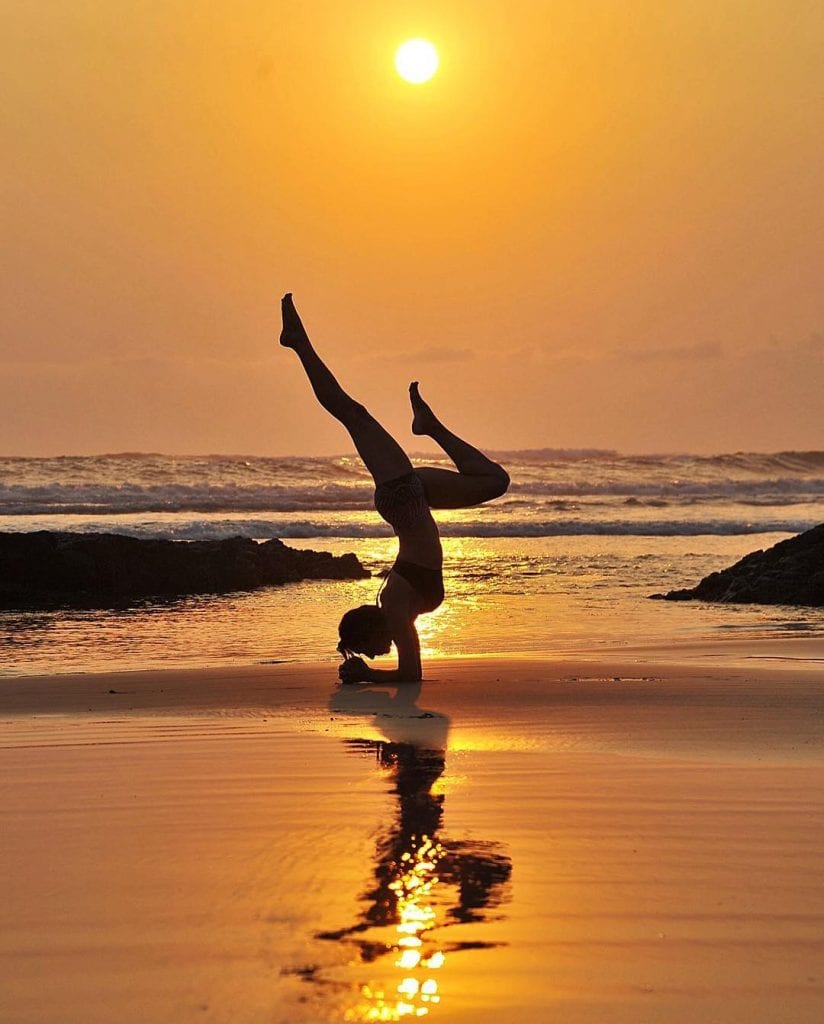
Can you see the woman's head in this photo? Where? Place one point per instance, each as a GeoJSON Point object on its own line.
{"type": "Point", "coordinates": [364, 630]}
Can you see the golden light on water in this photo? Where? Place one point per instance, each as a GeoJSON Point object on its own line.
{"type": "Point", "coordinates": [431, 627]}
{"type": "Point", "coordinates": [417, 991]}
{"type": "Point", "coordinates": [438, 630]}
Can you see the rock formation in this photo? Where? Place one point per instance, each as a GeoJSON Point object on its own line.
{"type": "Point", "coordinates": [98, 570]}
{"type": "Point", "coordinates": [790, 572]}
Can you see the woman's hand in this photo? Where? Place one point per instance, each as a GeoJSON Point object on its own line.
{"type": "Point", "coordinates": [354, 670]}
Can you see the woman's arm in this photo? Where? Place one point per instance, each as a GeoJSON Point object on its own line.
{"type": "Point", "coordinates": [408, 646]}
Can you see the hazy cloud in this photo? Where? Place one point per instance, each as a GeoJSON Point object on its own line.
{"type": "Point", "coordinates": [422, 356]}
{"type": "Point", "coordinates": [700, 351]}
{"type": "Point", "coordinates": [443, 354]}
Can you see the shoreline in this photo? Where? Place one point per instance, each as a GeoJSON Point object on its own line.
{"type": "Point", "coordinates": [672, 706]}
{"type": "Point", "coordinates": [801, 653]}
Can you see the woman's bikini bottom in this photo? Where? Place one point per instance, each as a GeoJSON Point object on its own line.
{"type": "Point", "coordinates": [427, 583]}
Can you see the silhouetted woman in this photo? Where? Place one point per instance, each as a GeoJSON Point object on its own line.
{"type": "Point", "coordinates": [403, 497]}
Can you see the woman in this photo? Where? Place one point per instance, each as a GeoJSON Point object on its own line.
{"type": "Point", "coordinates": [403, 497]}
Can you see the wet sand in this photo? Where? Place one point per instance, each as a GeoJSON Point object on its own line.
{"type": "Point", "coordinates": [608, 840]}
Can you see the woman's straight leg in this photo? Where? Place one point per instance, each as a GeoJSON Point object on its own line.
{"type": "Point", "coordinates": [381, 453]}
{"type": "Point", "coordinates": [478, 479]}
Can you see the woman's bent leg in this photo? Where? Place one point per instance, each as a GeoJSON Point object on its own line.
{"type": "Point", "coordinates": [381, 453]}
{"type": "Point", "coordinates": [478, 479]}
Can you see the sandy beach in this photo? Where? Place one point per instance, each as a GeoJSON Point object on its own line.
{"type": "Point", "coordinates": [485, 340]}
{"type": "Point", "coordinates": [627, 839]}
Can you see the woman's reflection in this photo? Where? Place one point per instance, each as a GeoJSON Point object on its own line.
{"type": "Point", "coordinates": [422, 881]}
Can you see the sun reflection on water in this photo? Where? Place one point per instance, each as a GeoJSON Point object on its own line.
{"type": "Point", "coordinates": [423, 881]}
{"type": "Point", "coordinates": [415, 993]}
{"type": "Point", "coordinates": [444, 625]}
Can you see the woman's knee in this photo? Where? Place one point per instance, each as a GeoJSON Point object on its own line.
{"type": "Point", "coordinates": [499, 482]}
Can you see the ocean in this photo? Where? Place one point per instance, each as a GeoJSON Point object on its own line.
{"type": "Point", "coordinates": [565, 561]}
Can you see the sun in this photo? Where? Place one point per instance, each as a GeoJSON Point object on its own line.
{"type": "Point", "coordinates": [416, 60]}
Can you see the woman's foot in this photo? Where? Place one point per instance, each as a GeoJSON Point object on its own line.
{"type": "Point", "coordinates": [293, 333]}
{"type": "Point", "coordinates": [423, 419]}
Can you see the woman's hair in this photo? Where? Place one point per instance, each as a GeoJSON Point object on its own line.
{"type": "Point", "coordinates": [362, 627]}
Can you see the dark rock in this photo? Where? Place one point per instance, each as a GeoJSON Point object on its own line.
{"type": "Point", "coordinates": [790, 572]}
{"type": "Point", "coordinates": [96, 570]}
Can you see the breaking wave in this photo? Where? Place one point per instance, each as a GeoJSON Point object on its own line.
{"type": "Point", "coordinates": [308, 529]}
{"type": "Point", "coordinates": [125, 498]}
{"type": "Point", "coordinates": [553, 493]}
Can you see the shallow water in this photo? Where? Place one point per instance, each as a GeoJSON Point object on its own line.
{"type": "Point", "coordinates": [508, 594]}
{"type": "Point", "coordinates": [564, 561]}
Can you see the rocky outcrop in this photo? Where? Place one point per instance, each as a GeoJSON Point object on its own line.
{"type": "Point", "coordinates": [791, 572]}
{"type": "Point", "coordinates": [49, 570]}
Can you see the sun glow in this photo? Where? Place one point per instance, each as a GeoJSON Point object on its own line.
{"type": "Point", "coordinates": [416, 60]}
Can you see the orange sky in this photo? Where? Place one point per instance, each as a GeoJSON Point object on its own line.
{"type": "Point", "coordinates": [600, 224]}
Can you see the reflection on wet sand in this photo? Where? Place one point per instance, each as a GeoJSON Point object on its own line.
{"type": "Point", "coordinates": [422, 881]}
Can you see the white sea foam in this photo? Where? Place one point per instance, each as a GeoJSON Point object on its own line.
{"type": "Point", "coordinates": [109, 499]}
{"type": "Point", "coordinates": [363, 527]}
{"type": "Point", "coordinates": [553, 493]}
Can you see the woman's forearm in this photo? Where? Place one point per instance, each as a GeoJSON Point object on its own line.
{"type": "Point", "coordinates": [380, 675]}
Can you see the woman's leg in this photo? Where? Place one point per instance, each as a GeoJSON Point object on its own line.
{"type": "Point", "coordinates": [381, 453]}
{"type": "Point", "coordinates": [478, 479]}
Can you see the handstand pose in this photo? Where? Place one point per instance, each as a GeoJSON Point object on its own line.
{"type": "Point", "coordinates": [403, 497]}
